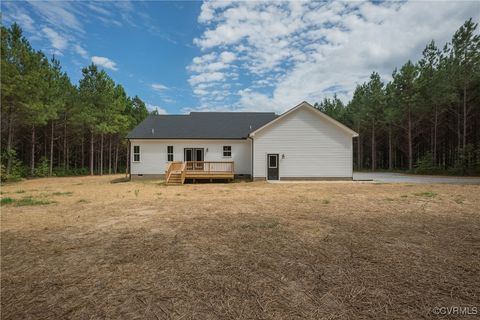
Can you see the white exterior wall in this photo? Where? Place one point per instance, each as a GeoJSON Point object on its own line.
{"type": "Point", "coordinates": [153, 154]}
{"type": "Point", "coordinates": [313, 147]}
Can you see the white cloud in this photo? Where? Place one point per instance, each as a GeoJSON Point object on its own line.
{"type": "Point", "coordinates": [62, 15]}
{"type": "Point", "coordinates": [212, 62]}
{"type": "Point", "coordinates": [206, 77]}
{"type": "Point", "coordinates": [158, 87]}
{"type": "Point", "coordinates": [211, 70]}
{"type": "Point", "coordinates": [227, 57]}
{"type": "Point", "coordinates": [56, 40]}
{"type": "Point", "coordinates": [208, 10]}
{"type": "Point", "coordinates": [81, 51]}
{"type": "Point", "coordinates": [301, 50]}
{"type": "Point", "coordinates": [62, 23]}
{"type": "Point", "coordinates": [169, 100]}
{"type": "Point", "coordinates": [105, 62]}
{"type": "Point", "coordinates": [12, 13]}
{"type": "Point", "coordinates": [25, 21]}
{"type": "Point", "coordinates": [159, 109]}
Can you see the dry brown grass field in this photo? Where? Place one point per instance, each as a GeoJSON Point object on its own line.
{"type": "Point", "coordinates": [86, 248]}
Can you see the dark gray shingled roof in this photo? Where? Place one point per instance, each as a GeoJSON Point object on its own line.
{"type": "Point", "coordinates": [201, 125]}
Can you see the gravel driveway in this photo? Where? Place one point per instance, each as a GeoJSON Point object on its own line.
{"type": "Point", "coordinates": [410, 178]}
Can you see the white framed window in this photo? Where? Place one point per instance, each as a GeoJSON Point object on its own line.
{"type": "Point", "coordinates": [136, 153]}
{"type": "Point", "coordinates": [227, 151]}
{"type": "Point", "coordinates": [169, 153]}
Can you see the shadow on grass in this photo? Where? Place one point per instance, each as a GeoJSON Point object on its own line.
{"type": "Point", "coordinates": [120, 180]}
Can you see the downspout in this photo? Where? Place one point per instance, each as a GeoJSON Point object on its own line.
{"type": "Point", "coordinates": [129, 163]}
{"type": "Point", "coordinates": [249, 137]}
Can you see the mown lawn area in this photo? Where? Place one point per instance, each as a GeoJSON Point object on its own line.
{"type": "Point", "coordinates": [86, 248]}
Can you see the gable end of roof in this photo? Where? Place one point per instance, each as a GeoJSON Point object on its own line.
{"type": "Point", "coordinates": [305, 104]}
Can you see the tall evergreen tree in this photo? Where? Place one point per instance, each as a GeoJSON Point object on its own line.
{"type": "Point", "coordinates": [374, 109]}
{"type": "Point", "coordinates": [405, 91]}
{"type": "Point", "coordinates": [465, 52]}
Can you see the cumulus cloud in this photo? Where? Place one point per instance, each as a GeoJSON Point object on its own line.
{"type": "Point", "coordinates": [227, 57]}
{"type": "Point", "coordinates": [206, 77]}
{"type": "Point", "coordinates": [295, 51]}
{"type": "Point", "coordinates": [211, 70]}
{"type": "Point", "coordinates": [105, 62]}
{"type": "Point", "coordinates": [152, 107]}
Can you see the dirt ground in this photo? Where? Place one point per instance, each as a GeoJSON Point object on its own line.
{"type": "Point", "coordinates": [142, 250]}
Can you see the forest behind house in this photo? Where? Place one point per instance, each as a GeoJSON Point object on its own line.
{"type": "Point", "coordinates": [53, 127]}
{"type": "Point", "coordinates": [425, 120]}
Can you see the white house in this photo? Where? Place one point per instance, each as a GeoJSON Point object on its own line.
{"type": "Point", "coordinates": [300, 144]}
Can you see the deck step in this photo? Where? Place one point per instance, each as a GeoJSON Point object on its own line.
{"type": "Point", "coordinates": [175, 177]}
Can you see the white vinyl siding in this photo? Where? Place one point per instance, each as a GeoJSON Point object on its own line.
{"type": "Point", "coordinates": [307, 144]}
{"type": "Point", "coordinates": [154, 154]}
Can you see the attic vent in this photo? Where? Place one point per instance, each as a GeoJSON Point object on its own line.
{"type": "Point", "coordinates": [153, 131]}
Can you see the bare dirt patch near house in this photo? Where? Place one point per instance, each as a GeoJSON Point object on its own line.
{"type": "Point", "coordinates": [140, 250]}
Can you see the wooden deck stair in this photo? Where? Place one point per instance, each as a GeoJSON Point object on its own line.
{"type": "Point", "coordinates": [178, 171]}
{"type": "Point", "coordinates": [175, 173]}
{"type": "Point", "coordinates": [175, 177]}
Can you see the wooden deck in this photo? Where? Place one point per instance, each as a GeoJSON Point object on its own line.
{"type": "Point", "coordinates": [179, 171]}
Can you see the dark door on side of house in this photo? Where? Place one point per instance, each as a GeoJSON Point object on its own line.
{"type": "Point", "coordinates": [272, 166]}
{"type": "Point", "coordinates": [188, 154]}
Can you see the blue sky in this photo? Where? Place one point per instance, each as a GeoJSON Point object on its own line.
{"type": "Point", "coordinates": [256, 56]}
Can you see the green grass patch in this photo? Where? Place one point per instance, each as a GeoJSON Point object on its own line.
{"type": "Point", "coordinates": [137, 192]}
{"type": "Point", "coordinates": [6, 201]}
{"type": "Point", "coordinates": [459, 200]}
{"type": "Point", "coordinates": [83, 201]}
{"type": "Point", "coordinates": [20, 191]}
{"type": "Point", "coordinates": [29, 201]}
{"type": "Point", "coordinates": [67, 193]}
{"type": "Point", "coordinates": [426, 194]}
{"type": "Point", "coordinates": [325, 201]}
{"type": "Point", "coordinates": [389, 199]}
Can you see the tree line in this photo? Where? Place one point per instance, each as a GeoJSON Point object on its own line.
{"type": "Point", "coordinates": [427, 118]}
{"type": "Point", "coordinates": [50, 126]}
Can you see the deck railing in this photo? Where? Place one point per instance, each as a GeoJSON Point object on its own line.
{"type": "Point", "coordinates": [184, 166]}
{"type": "Point", "coordinates": [209, 166]}
{"type": "Point", "coordinates": [178, 171]}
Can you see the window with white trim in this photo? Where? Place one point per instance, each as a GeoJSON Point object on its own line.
{"type": "Point", "coordinates": [227, 151]}
{"type": "Point", "coordinates": [169, 153]}
{"type": "Point", "coordinates": [136, 153]}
